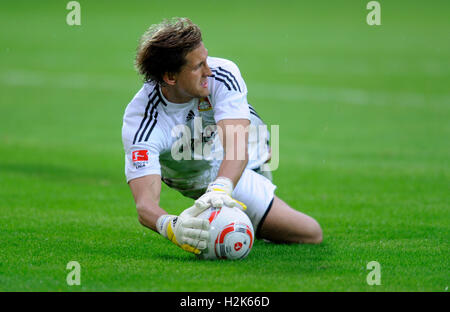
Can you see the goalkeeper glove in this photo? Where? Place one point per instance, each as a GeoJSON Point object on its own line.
{"type": "Point", "coordinates": [186, 231]}
{"type": "Point", "coordinates": [218, 194]}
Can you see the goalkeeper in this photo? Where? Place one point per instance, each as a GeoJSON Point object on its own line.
{"type": "Point", "coordinates": [187, 92]}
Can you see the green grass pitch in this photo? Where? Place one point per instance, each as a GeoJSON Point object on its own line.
{"type": "Point", "coordinates": [364, 144]}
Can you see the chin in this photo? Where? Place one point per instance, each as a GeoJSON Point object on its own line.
{"type": "Point", "coordinates": [203, 93]}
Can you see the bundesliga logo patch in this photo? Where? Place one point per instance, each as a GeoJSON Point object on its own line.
{"type": "Point", "coordinates": [140, 158]}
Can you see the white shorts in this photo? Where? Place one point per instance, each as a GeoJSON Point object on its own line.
{"type": "Point", "coordinates": [257, 193]}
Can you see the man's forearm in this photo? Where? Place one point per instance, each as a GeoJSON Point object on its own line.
{"type": "Point", "coordinates": [232, 169]}
{"type": "Point", "coordinates": [234, 138]}
{"type": "Point", "coordinates": [149, 214]}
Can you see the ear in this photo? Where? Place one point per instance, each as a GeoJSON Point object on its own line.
{"type": "Point", "coordinates": [170, 78]}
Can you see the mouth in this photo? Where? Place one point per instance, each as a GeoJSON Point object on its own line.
{"type": "Point", "coordinates": [204, 84]}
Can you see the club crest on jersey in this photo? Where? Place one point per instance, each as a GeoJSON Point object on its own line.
{"type": "Point", "coordinates": [140, 158]}
{"type": "Point", "coordinates": [204, 104]}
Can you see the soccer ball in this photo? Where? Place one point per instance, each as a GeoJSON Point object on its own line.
{"type": "Point", "coordinates": [231, 234]}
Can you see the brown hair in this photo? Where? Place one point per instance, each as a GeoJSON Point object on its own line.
{"type": "Point", "coordinates": [163, 48]}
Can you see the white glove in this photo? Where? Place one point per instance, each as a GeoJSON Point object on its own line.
{"type": "Point", "coordinates": [186, 231]}
{"type": "Point", "coordinates": [218, 194]}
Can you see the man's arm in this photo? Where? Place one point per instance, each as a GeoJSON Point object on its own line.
{"type": "Point", "coordinates": [234, 136]}
{"type": "Point", "coordinates": [146, 191]}
{"type": "Point", "coordinates": [186, 231]}
{"type": "Point", "coordinates": [235, 144]}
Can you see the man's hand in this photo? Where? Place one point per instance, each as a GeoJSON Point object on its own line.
{"type": "Point", "coordinates": [218, 194]}
{"type": "Point", "coordinates": [186, 231]}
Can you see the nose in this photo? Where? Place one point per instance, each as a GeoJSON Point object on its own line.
{"type": "Point", "coordinates": [208, 71]}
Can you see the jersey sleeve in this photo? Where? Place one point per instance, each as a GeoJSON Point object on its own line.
{"type": "Point", "coordinates": [229, 93]}
{"type": "Point", "coordinates": [141, 155]}
{"type": "Point", "coordinates": [141, 160]}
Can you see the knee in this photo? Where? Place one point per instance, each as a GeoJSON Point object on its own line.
{"type": "Point", "coordinates": [314, 234]}
{"type": "Point", "coordinates": [317, 237]}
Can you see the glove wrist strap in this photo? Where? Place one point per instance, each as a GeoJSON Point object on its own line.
{"type": "Point", "coordinates": [162, 223]}
{"type": "Point", "coordinates": [221, 183]}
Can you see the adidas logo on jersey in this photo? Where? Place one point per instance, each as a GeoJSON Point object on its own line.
{"type": "Point", "coordinates": [190, 116]}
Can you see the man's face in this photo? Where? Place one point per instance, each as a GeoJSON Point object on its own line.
{"type": "Point", "coordinates": [192, 80]}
